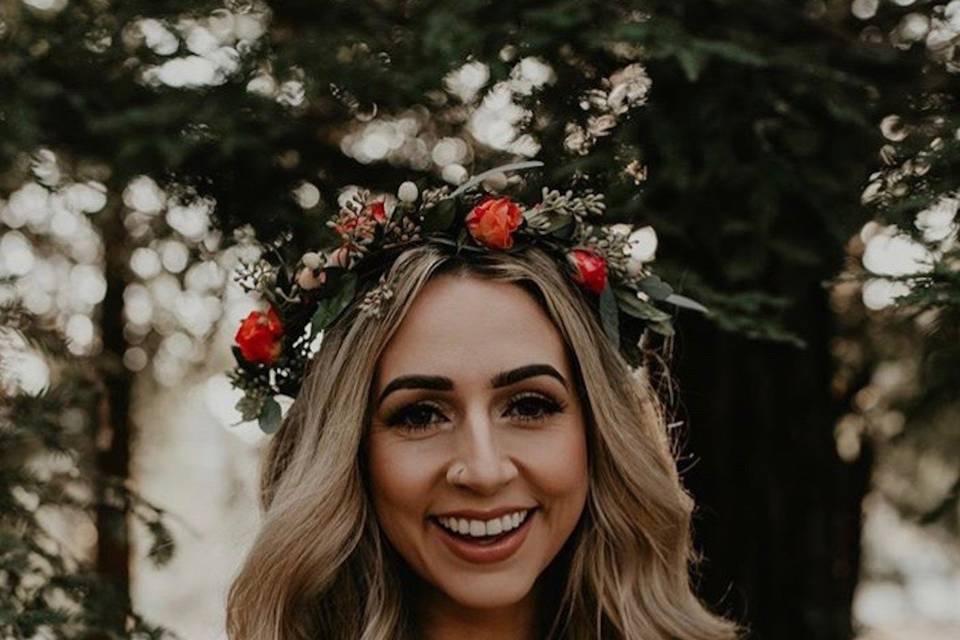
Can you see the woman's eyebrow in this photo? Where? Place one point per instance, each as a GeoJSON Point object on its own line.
{"type": "Point", "coordinates": [438, 383]}
{"type": "Point", "coordinates": [506, 378]}
{"type": "Point", "coordinates": [441, 383]}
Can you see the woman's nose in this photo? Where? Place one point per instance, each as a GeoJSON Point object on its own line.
{"type": "Point", "coordinates": [481, 464]}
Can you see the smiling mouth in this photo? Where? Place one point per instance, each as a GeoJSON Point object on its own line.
{"type": "Point", "coordinates": [462, 529]}
{"type": "Point", "coordinates": [484, 549]}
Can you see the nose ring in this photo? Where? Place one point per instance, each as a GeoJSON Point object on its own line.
{"type": "Point", "coordinates": [459, 472]}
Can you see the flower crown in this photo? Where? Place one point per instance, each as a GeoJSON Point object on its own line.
{"type": "Point", "coordinates": [609, 262]}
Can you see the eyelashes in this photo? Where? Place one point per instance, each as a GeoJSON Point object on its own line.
{"type": "Point", "coordinates": [406, 417]}
{"type": "Point", "coordinates": [525, 407]}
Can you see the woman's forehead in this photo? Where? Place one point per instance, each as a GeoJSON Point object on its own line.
{"type": "Point", "coordinates": [458, 322]}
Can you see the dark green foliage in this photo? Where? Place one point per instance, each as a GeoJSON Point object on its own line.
{"type": "Point", "coordinates": [916, 175]}
{"type": "Point", "coordinates": [46, 454]}
{"type": "Point", "coordinates": [757, 136]}
{"type": "Point", "coordinates": [329, 308]}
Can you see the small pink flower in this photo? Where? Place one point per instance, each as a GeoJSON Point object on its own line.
{"type": "Point", "coordinates": [362, 225]}
{"type": "Point", "coordinates": [377, 210]}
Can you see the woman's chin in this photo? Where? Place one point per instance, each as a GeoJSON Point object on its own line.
{"type": "Point", "coordinates": [487, 592]}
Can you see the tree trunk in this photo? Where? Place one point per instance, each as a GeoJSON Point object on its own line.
{"type": "Point", "coordinates": [778, 511]}
{"type": "Point", "coordinates": [114, 427]}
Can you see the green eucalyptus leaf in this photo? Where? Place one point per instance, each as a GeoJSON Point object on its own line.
{"type": "Point", "coordinates": [637, 308]}
{"type": "Point", "coordinates": [664, 327]}
{"type": "Point", "coordinates": [563, 231]}
{"type": "Point", "coordinates": [546, 222]}
{"type": "Point", "coordinates": [687, 303]}
{"type": "Point", "coordinates": [559, 223]}
{"type": "Point", "coordinates": [439, 217]}
{"type": "Point", "coordinates": [270, 416]}
{"type": "Point", "coordinates": [609, 315]}
{"type": "Point", "coordinates": [249, 407]}
{"type": "Point", "coordinates": [330, 308]}
{"type": "Point", "coordinates": [630, 349]}
{"type": "Point", "coordinates": [731, 52]}
{"type": "Point", "coordinates": [654, 287]}
{"type": "Point", "coordinates": [242, 362]}
{"type": "Point", "coordinates": [462, 238]}
{"type": "Point", "coordinates": [692, 63]}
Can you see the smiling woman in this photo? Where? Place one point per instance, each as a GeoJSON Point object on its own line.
{"type": "Point", "coordinates": [497, 431]}
{"type": "Point", "coordinates": [477, 462]}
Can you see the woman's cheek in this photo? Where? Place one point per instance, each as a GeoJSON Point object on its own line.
{"type": "Point", "coordinates": [558, 460]}
{"type": "Point", "coordinates": [401, 471]}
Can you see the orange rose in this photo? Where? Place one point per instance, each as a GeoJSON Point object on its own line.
{"type": "Point", "coordinates": [493, 221]}
{"type": "Point", "coordinates": [259, 336]}
{"type": "Point", "coordinates": [589, 269]}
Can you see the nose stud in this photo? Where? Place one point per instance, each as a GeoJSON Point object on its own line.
{"type": "Point", "coordinates": [459, 472]}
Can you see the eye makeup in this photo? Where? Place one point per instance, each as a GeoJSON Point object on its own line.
{"type": "Point", "coordinates": [400, 418]}
{"type": "Point", "coordinates": [546, 405]}
{"type": "Point", "coordinates": [524, 407]}
{"type": "Point", "coordinates": [441, 383]}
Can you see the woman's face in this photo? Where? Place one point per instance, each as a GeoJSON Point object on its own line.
{"type": "Point", "coordinates": [476, 415]}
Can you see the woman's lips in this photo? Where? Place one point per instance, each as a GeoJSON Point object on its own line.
{"type": "Point", "coordinates": [485, 553]}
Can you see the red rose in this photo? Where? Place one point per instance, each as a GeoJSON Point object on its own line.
{"type": "Point", "coordinates": [259, 336]}
{"type": "Point", "coordinates": [589, 269]}
{"type": "Point", "coordinates": [493, 221]}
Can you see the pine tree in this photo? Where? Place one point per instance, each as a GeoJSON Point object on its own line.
{"type": "Point", "coordinates": [909, 333]}
{"type": "Point", "coordinates": [49, 589]}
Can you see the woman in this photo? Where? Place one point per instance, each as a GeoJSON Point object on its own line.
{"type": "Point", "coordinates": [484, 396]}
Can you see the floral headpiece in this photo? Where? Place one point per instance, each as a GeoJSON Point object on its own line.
{"type": "Point", "coordinates": [609, 262]}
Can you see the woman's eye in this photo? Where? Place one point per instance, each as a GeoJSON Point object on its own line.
{"type": "Point", "coordinates": [414, 417]}
{"type": "Point", "coordinates": [423, 415]}
{"type": "Point", "coordinates": [534, 407]}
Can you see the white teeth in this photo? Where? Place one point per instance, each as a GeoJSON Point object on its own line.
{"type": "Point", "coordinates": [477, 528]}
{"type": "Point", "coordinates": [480, 528]}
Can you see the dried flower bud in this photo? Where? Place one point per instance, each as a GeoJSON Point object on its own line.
{"type": "Point", "coordinates": [599, 126]}
{"type": "Point", "coordinates": [576, 139]}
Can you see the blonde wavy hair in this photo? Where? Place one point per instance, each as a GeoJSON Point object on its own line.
{"type": "Point", "coordinates": [320, 566]}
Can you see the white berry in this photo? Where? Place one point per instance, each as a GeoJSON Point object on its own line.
{"type": "Point", "coordinates": [408, 192]}
{"type": "Point", "coordinates": [312, 260]}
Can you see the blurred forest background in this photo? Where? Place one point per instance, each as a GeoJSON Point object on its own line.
{"type": "Point", "coordinates": [798, 161]}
